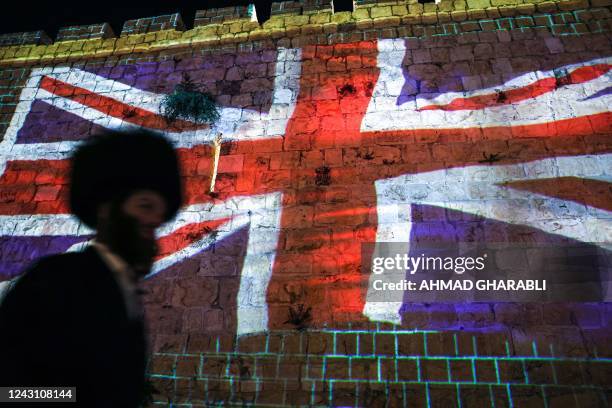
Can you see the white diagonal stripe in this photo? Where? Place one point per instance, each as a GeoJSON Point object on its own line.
{"type": "Point", "coordinates": [568, 102]}
{"type": "Point", "coordinates": [455, 189]}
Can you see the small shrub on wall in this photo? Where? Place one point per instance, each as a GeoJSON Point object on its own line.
{"type": "Point", "coordinates": [187, 102]}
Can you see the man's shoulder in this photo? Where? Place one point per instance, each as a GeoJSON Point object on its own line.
{"type": "Point", "coordinates": [59, 267]}
{"type": "Point", "coordinates": [43, 286]}
{"type": "Point", "coordinates": [60, 262]}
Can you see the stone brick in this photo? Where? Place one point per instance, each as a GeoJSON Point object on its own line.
{"type": "Point", "coordinates": [491, 344]}
{"type": "Point", "coordinates": [266, 367]}
{"type": "Point", "coordinates": [251, 344]}
{"type": "Point", "coordinates": [597, 372]}
{"type": "Point", "coordinates": [198, 343]}
{"type": "Point", "coordinates": [290, 367]}
{"type": "Point", "coordinates": [527, 396]}
{"type": "Point", "coordinates": [474, 395]}
{"type": "Point", "coordinates": [411, 344]}
{"type": "Point", "coordinates": [443, 395]}
{"type": "Point", "coordinates": [383, 11]}
{"type": "Point", "coordinates": [337, 368]}
{"type": "Point", "coordinates": [461, 370]}
{"type": "Point", "coordinates": [47, 193]}
{"type": "Point", "coordinates": [272, 393]}
{"type": "Point", "coordinates": [346, 343]}
{"type": "Point", "coordinates": [549, 341]}
{"type": "Point", "coordinates": [539, 372]}
{"type": "Point", "coordinates": [385, 344]}
{"type": "Point", "coordinates": [440, 344]}
{"type": "Point", "coordinates": [462, 53]}
{"type": "Point", "coordinates": [366, 344]}
{"type": "Point", "coordinates": [499, 395]}
{"type": "Point", "coordinates": [188, 366]}
{"type": "Point", "coordinates": [150, 24]}
{"type": "Point", "coordinates": [589, 316]}
{"type": "Point", "coordinates": [193, 321]}
{"type": "Point", "coordinates": [485, 371]}
{"type": "Point", "coordinates": [162, 365]}
{"type": "Point", "coordinates": [547, 7]}
{"type": "Point", "coordinates": [588, 398]}
{"type": "Point", "coordinates": [293, 343]}
{"type": "Point", "coordinates": [364, 368]}
{"type": "Point", "coordinates": [434, 370]}
{"type": "Point", "coordinates": [511, 371]}
{"type": "Point", "coordinates": [85, 32]}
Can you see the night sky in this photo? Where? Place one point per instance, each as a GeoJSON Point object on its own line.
{"type": "Point", "coordinates": [20, 15]}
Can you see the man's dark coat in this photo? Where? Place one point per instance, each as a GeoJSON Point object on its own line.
{"type": "Point", "coordinates": [64, 323]}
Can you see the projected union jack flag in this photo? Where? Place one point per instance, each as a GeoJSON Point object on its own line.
{"type": "Point", "coordinates": [324, 148]}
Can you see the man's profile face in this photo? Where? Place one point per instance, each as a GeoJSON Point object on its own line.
{"type": "Point", "coordinates": [148, 208]}
{"type": "Point", "coordinates": [128, 227]}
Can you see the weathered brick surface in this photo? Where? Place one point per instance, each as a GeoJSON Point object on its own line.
{"type": "Point", "coordinates": [94, 31]}
{"type": "Point", "coordinates": [31, 37]}
{"type": "Point", "coordinates": [292, 378]}
{"type": "Point", "coordinates": [151, 24]}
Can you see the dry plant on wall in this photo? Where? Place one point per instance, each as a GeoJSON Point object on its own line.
{"type": "Point", "coordinates": [300, 317]}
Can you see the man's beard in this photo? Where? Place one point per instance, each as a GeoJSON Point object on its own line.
{"type": "Point", "coordinates": [123, 237]}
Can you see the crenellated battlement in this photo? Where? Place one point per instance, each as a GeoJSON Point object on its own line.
{"type": "Point", "coordinates": [85, 32]}
{"type": "Point", "coordinates": [296, 23]}
{"type": "Point", "coordinates": [221, 15]}
{"type": "Point", "coordinates": [293, 13]}
{"type": "Point", "coordinates": [153, 24]}
{"type": "Point", "coordinates": [25, 38]}
{"type": "Point", "coordinates": [286, 8]}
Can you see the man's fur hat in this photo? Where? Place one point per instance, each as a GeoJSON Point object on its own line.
{"type": "Point", "coordinates": [112, 165]}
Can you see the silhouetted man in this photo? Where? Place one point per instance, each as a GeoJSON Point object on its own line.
{"type": "Point", "coordinates": [75, 319]}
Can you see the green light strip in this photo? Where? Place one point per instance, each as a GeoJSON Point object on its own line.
{"type": "Point", "coordinates": [427, 388]}
{"type": "Point", "coordinates": [365, 381]}
{"type": "Point", "coordinates": [497, 376]}
{"type": "Point", "coordinates": [554, 372]}
{"type": "Point", "coordinates": [232, 393]}
{"type": "Point", "coordinates": [510, 401]}
{"type": "Point", "coordinates": [396, 368]}
{"type": "Point", "coordinates": [347, 356]}
{"type": "Point", "coordinates": [544, 396]}
{"type": "Point", "coordinates": [551, 347]}
{"type": "Point", "coordinates": [458, 396]}
{"type": "Point", "coordinates": [312, 393]}
{"type": "Point", "coordinates": [265, 357]}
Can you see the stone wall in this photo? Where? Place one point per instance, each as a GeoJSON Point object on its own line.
{"type": "Point", "coordinates": [462, 121]}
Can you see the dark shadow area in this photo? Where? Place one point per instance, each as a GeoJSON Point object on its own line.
{"type": "Point", "coordinates": [50, 16]}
